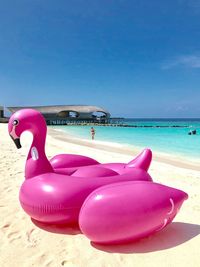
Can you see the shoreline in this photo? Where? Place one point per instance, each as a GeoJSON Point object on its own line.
{"type": "Point", "coordinates": [177, 161]}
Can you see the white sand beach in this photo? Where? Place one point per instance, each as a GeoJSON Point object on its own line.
{"type": "Point", "coordinates": [23, 244]}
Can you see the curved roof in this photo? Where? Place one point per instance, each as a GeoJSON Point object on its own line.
{"type": "Point", "coordinates": [59, 108]}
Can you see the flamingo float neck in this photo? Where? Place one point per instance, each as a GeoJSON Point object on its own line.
{"type": "Point", "coordinates": [31, 120]}
{"type": "Point", "coordinates": [37, 162]}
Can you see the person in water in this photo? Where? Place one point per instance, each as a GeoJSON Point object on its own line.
{"type": "Point", "coordinates": [92, 130]}
{"type": "Point", "coordinates": [193, 132]}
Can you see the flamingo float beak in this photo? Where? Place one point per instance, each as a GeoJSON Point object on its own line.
{"type": "Point", "coordinates": [16, 141]}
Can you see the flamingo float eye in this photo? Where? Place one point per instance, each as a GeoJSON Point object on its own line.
{"type": "Point", "coordinates": [15, 122]}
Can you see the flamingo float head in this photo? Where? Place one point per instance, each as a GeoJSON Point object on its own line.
{"type": "Point", "coordinates": [25, 120]}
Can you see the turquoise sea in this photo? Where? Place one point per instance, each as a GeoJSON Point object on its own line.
{"type": "Point", "coordinates": [168, 139]}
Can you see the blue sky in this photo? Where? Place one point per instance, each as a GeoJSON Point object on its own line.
{"type": "Point", "coordinates": [135, 58]}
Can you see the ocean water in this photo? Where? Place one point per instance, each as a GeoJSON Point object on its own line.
{"type": "Point", "coordinates": [169, 140]}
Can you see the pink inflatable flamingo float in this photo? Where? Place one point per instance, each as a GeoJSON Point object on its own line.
{"type": "Point", "coordinates": [116, 198]}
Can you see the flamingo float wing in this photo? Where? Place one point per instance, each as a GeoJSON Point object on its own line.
{"type": "Point", "coordinates": [127, 211]}
{"type": "Point", "coordinates": [71, 161]}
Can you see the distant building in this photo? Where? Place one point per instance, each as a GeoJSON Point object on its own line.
{"type": "Point", "coordinates": [61, 115]}
{"type": "Point", "coordinates": [2, 118]}
{"type": "Point", "coordinates": [1, 112]}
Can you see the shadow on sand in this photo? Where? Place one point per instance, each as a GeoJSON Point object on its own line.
{"type": "Point", "coordinates": [175, 234]}
{"type": "Point", "coordinates": [69, 229]}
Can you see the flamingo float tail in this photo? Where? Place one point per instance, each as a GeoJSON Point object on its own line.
{"type": "Point", "coordinates": [142, 161]}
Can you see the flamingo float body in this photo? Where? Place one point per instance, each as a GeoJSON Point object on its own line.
{"type": "Point", "coordinates": [112, 197]}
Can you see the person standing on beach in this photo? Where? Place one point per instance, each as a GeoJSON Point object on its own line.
{"type": "Point", "coordinates": [92, 130]}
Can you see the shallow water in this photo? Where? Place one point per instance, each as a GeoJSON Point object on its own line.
{"type": "Point", "coordinates": [166, 140]}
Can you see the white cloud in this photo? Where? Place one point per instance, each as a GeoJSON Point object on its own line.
{"type": "Point", "coordinates": [188, 61]}
{"type": "Point", "coordinates": [193, 4]}
{"type": "Point", "coordinates": [181, 108]}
